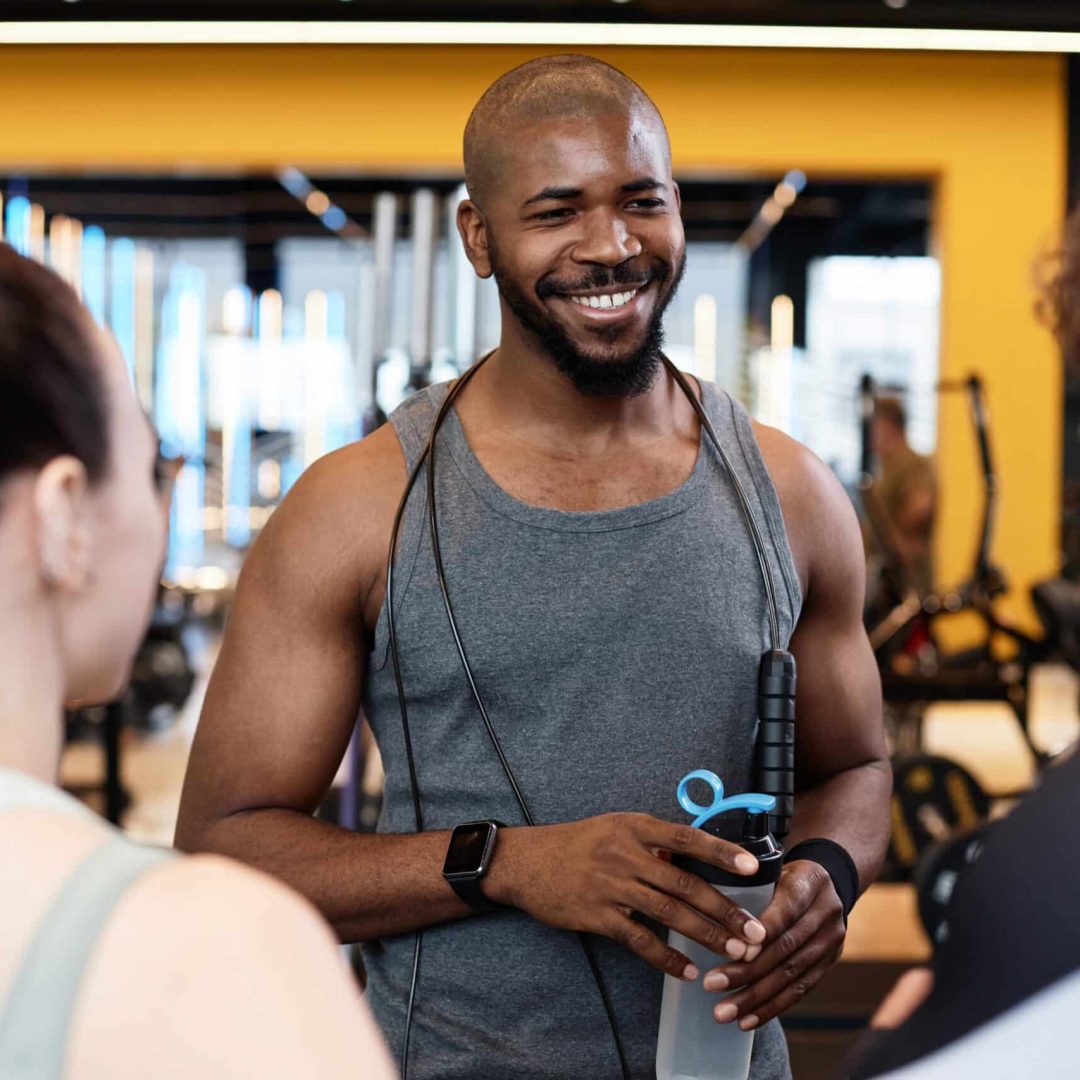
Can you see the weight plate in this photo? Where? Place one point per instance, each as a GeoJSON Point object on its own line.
{"type": "Point", "coordinates": [933, 799]}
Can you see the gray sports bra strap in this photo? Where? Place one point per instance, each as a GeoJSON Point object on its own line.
{"type": "Point", "coordinates": [37, 1016]}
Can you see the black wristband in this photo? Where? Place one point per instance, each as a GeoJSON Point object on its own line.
{"type": "Point", "coordinates": [838, 864]}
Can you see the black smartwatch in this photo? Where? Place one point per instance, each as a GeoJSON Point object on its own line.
{"type": "Point", "coordinates": [467, 860]}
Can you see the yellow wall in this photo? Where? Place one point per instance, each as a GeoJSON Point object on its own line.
{"type": "Point", "coordinates": [989, 129]}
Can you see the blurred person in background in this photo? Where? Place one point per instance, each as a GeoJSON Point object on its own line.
{"type": "Point", "coordinates": [1003, 992]}
{"type": "Point", "coordinates": [118, 960]}
{"type": "Point", "coordinates": [904, 494]}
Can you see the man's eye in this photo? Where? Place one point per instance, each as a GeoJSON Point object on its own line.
{"type": "Point", "coordinates": [647, 204]}
{"type": "Point", "coordinates": [553, 215]}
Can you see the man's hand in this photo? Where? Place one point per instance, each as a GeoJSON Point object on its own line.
{"type": "Point", "coordinates": [804, 926]}
{"type": "Point", "coordinates": [594, 875]}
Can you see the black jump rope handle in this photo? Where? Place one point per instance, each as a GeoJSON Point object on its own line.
{"type": "Point", "coordinates": [774, 751]}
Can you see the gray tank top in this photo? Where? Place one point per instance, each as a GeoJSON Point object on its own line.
{"type": "Point", "coordinates": [36, 1015]}
{"type": "Point", "coordinates": [616, 650]}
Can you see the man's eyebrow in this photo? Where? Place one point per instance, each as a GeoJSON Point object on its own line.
{"type": "Point", "coordinates": [645, 183]}
{"type": "Point", "coordinates": [554, 193]}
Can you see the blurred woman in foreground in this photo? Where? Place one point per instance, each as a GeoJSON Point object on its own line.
{"type": "Point", "coordinates": [117, 960]}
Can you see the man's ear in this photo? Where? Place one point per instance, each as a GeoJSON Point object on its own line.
{"type": "Point", "coordinates": [62, 523]}
{"type": "Point", "coordinates": [678, 196]}
{"type": "Point", "coordinates": [473, 229]}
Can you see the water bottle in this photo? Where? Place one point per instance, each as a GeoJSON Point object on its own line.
{"type": "Point", "coordinates": [691, 1044]}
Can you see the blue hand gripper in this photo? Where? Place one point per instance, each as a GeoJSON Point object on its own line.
{"type": "Point", "coordinates": [751, 801]}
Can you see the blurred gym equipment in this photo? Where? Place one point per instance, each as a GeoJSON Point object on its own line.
{"type": "Point", "coordinates": [933, 796]}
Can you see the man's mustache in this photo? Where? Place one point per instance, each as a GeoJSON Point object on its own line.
{"type": "Point", "coordinates": [603, 278]}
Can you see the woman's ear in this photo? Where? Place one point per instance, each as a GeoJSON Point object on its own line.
{"type": "Point", "coordinates": [473, 229]}
{"type": "Point", "coordinates": [63, 526]}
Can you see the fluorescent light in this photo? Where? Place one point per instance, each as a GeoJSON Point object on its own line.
{"type": "Point", "coordinates": [37, 232]}
{"type": "Point", "coordinates": [563, 34]}
{"type": "Point", "coordinates": [705, 337]}
{"type": "Point", "coordinates": [781, 324]}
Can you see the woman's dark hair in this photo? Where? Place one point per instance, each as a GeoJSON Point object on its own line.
{"type": "Point", "coordinates": [52, 396]}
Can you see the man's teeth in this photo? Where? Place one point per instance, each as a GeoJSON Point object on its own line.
{"type": "Point", "coordinates": [607, 301]}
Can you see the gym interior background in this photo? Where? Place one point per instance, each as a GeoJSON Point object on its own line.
{"type": "Point", "coordinates": [267, 229]}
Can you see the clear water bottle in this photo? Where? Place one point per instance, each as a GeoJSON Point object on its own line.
{"type": "Point", "coordinates": [691, 1045]}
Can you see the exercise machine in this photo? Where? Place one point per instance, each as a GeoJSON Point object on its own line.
{"type": "Point", "coordinates": [935, 797]}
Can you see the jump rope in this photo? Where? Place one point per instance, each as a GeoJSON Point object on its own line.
{"type": "Point", "coordinates": [774, 748]}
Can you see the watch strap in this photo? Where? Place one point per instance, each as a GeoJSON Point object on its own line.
{"type": "Point", "coordinates": [469, 890]}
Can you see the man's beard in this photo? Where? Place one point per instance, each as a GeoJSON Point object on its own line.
{"type": "Point", "coordinates": [626, 377]}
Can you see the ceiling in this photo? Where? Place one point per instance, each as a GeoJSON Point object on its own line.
{"type": "Point", "coordinates": [1056, 15]}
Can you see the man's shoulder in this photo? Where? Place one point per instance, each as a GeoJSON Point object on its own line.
{"type": "Point", "coordinates": [802, 480]}
{"type": "Point", "coordinates": [366, 469]}
{"type": "Point", "coordinates": [348, 487]}
{"type": "Point", "coordinates": [333, 527]}
{"type": "Point", "coordinates": [374, 468]}
{"type": "Point", "coordinates": [816, 508]}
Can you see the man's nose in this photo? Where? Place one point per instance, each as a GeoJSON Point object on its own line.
{"type": "Point", "coordinates": [606, 240]}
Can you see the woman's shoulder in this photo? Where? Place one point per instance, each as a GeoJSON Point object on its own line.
{"type": "Point", "coordinates": [223, 963]}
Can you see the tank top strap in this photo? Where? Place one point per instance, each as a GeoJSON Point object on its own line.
{"type": "Point", "coordinates": [412, 421]}
{"type": "Point", "coordinates": [735, 430]}
{"type": "Point", "coordinates": [413, 418]}
{"type": "Point", "coordinates": [36, 1019]}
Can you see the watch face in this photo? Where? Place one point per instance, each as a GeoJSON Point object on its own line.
{"type": "Point", "coordinates": [466, 851]}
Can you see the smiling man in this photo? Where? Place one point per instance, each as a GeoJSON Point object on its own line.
{"type": "Point", "coordinates": [610, 602]}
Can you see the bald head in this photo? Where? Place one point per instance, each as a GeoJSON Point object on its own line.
{"type": "Point", "coordinates": [550, 88]}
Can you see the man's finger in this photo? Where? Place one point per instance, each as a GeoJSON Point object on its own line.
{"type": "Point", "coordinates": [824, 914]}
{"type": "Point", "coordinates": [642, 941]}
{"type": "Point", "coordinates": [697, 844]}
{"type": "Point", "coordinates": [756, 996]}
{"type": "Point", "coordinates": [701, 896]}
{"type": "Point", "coordinates": [790, 996]}
{"type": "Point", "coordinates": [663, 908]}
{"type": "Point", "coordinates": [797, 890]}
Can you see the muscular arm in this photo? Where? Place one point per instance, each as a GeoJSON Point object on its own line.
{"type": "Point", "coordinates": [843, 779]}
{"type": "Point", "coordinates": [842, 771]}
{"type": "Point", "coordinates": [284, 697]}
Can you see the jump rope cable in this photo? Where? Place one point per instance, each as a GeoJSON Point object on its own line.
{"type": "Point", "coordinates": [428, 455]}
{"type": "Point", "coordinates": [744, 502]}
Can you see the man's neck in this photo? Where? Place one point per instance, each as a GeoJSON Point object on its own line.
{"type": "Point", "coordinates": [522, 391]}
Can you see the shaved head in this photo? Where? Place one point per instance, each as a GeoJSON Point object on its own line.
{"type": "Point", "coordinates": [550, 88]}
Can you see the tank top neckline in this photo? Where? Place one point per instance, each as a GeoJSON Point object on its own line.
{"type": "Point", "coordinates": [502, 502]}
